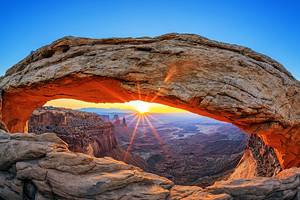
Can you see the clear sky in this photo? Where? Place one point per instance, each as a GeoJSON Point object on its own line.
{"type": "Point", "coordinates": [139, 106]}
{"type": "Point", "coordinates": [269, 27]}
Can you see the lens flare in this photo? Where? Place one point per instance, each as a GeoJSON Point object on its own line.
{"type": "Point", "coordinates": [133, 135]}
{"type": "Point", "coordinates": [140, 106]}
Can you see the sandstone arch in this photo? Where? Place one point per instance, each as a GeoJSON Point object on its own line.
{"type": "Point", "coordinates": [227, 82]}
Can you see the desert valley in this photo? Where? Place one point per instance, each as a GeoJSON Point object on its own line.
{"type": "Point", "coordinates": [186, 148]}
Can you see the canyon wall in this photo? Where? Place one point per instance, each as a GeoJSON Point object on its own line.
{"type": "Point", "coordinates": [84, 132]}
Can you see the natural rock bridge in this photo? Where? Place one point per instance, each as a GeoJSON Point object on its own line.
{"type": "Point", "coordinates": [226, 82]}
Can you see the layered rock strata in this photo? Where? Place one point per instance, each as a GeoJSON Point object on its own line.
{"type": "Point", "coordinates": [84, 132]}
{"type": "Point", "coordinates": [41, 167]}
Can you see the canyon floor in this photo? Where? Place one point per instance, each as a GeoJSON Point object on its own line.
{"type": "Point", "coordinates": [188, 149]}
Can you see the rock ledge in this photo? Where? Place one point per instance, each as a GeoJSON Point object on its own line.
{"type": "Point", "coordinates": [42, 167]}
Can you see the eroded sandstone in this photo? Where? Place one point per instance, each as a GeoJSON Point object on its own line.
{"type": "Point", "coordinates": [54, 172]}
{"type": "Point", "coordinates": [84, 132]}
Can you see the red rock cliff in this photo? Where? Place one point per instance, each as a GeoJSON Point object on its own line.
{"type": "Point", "coordinates": [83, 131]}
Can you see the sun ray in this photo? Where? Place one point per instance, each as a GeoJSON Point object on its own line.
{"type": "Point", "coordinates": [140, 106]}
{"type": "Point", "coordinates": [129, 115]}
{"type": "Point", "coordinates": [156, 135]}
{"type": "Point", "coordinates": [170, 74]}
{"type": "Point", "coordinates": [132, 139]}
{"type": "Point", "coordinates": [155, 119]}
{"type": "Point", "coordinates": [160, 91]}
{"type": "Point", "coordinates": [153, 129]}
{"type": "Point", "coordinates": [111, 92]}
{"type": "Point", "coordinates": [133, 119]}
{"type": "Point", "coordinates": [144, 127]}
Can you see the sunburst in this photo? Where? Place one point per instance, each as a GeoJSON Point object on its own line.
{"type": "Point", "coordinates": [141, 116]}
{"type": "Point", "coordinates": [140, 106]}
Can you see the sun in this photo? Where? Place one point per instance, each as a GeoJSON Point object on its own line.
{"type": "Point", "coordinates": [140, 106]}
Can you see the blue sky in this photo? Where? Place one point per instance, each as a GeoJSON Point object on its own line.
{"type": "Point", "coordinates": [269, 27]}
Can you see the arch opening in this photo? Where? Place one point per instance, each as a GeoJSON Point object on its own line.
{"type": "Point", "coordinates": [187, 148]}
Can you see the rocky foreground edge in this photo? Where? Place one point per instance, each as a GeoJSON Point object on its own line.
{"type": "Point", "coordinates": [42, 167]}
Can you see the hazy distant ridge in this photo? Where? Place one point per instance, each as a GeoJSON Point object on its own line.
{"type": "Point", "coordinates": [106, 110]}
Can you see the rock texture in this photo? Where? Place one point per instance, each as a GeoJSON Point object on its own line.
{"type": "Point", "coordinates": [218, 80]}
{"type": "Point", "coordinates": [83, 132]}
{"type": "Point", "coordinates": [259, 159]}
{"type": "Point", "coordinates": [267, 162]}
{"type": "Point", "coordinates": [41, 167]}
{"type": "Point", "coordinates": [284, 186]}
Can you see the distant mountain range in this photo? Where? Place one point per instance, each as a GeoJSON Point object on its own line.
{"type": "Point", "coordinates": [167, 117]}
{"type": "Point", "coordinates": [107, 110]}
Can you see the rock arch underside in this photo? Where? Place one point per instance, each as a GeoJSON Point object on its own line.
{"type": "Point", "coordinates": [227, 82]}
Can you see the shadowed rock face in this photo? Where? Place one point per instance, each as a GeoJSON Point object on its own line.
{"type": "Point", "coordinates": [267, 162]}
{"type": "Point", "coordinates": [259, 159]}
{"type": "Point", "coordinates": [218, 80]}
{"type": "Point", "coordinates": [42, 167]}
